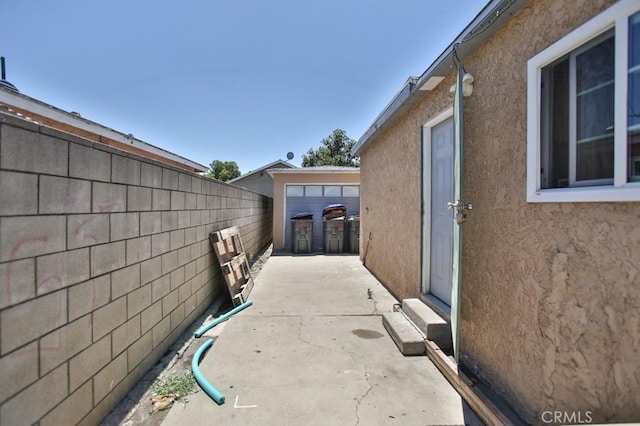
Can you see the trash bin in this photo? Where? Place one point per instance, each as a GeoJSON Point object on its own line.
{"type": "Point", "coordinates": [333, 235]}
{"type": "Point", "coordinates": [302, 233]}
{"type": "Point", "coordinates": [333, 217]}
{"type": "Point", "coordinates": [354, 234]}
{"type": "Point", "coordinates": [334, 211]}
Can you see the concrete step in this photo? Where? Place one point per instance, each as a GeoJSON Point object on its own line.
{"type": "Point", "coordinates": [431, 324]}
{"type": "Point", "coordinates": [407, 338]}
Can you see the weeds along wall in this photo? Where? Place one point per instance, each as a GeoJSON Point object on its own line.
{"type": "Point", "coordinates": [104, 262]}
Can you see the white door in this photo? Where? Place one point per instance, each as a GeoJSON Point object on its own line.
{"type": "Point", "coordinates": [441, 219]}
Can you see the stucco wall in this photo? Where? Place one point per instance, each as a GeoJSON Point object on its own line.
{"type": "Point", "coordinates": [279, 182]}
{"type": "Point", "coordinates": [551, 297]}
{"type": "Point", "coordinates": [390, 196]}
{"type": "Point", "coordinates": [104, 261]}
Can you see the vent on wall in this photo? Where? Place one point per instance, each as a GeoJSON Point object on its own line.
{"type": "Point", "coordinates": [3, 79]}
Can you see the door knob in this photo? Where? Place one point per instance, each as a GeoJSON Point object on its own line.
{"type": "Point", "coordinates": [459, 207]}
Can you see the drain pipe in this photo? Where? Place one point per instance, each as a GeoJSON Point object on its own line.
{"type": "Point", "coordinates": [204, 384]}
{"type": "Point", "coordinates": [221, 318]}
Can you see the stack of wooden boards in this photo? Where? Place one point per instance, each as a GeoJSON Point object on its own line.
{"type": "Point", "coordinates": [233, 262]}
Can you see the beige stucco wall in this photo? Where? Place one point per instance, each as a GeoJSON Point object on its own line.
{"type": "Point", "coordinates": [390, 198]}
{"type": "Point", "coordinates": [551, 297]}
{"type": "Point", "coordinates": [279, 182]}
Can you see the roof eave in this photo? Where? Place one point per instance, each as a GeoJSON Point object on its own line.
{"type": "Point", "coordinates": [495, 14]}
{"type": "Point", "coordinates": [392, 108]}
{"type": "Point", "coordinates": [253, 172]}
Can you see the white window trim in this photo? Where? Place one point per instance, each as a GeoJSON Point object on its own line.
{"type": "Point", "coordinates": [621, 190]}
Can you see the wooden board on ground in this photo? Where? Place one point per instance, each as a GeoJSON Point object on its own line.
{"type": "Point", "coordinates": [233, 262]}
{"type": "Point", "coordinates": [484, 408]}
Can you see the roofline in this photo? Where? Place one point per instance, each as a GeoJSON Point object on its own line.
{"type": "Point", "coordinates": [261, 169]}
{"type": "Point", "coordinates": [481, 28]}
{"type": "Point", "coordinates": [311, 171]}
{"type": "Point", "coordinates": [19, 100]}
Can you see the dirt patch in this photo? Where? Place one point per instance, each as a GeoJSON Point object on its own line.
{"type": "Point", "coordinates": [137, 408]}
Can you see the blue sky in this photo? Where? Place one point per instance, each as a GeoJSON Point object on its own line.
{"type": "Point", "coordinates": [233, 80]}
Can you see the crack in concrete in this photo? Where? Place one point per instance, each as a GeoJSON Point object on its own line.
{"type": "Point", "coordinates": [370, 296]}
{"type": "Point", "coordinates": [306, 341]}
{"type": "Point", "coordinates": [375, 307]}
{"type": "Point", "coordinates": [359, 401]}
{"type": "Point", "coordinates": [353, 359]}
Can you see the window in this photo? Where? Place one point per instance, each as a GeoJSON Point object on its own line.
{"type": "Point", "coordinates": [295, 191]}
{"type": "Point", "coordinates": [313, 191]}
{"type": "Point", "coordinates": [577, 117]}
{"type": "Point", "coordinates": [634, 98]}
{"type": "Point", "coordinates": [332, 191]}
{"type": "Point", "coordinates": [583, 141]}
{"type": "Point", "coordinates": [351, 191]}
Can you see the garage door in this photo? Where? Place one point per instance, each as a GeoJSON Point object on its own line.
{"type": "Point", "coordinates": [313, 198]}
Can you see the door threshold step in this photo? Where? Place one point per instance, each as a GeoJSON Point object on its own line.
{"type": "Point", "coordinates": [432, 325]}
{"type": "Point", "coordinates": [408, 339]}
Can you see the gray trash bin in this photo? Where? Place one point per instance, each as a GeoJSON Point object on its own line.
{"type": "Point", "coordinates": [354, 234]}
{"type": "Point", "coordinates": [301, 236]}
{"type": "Point", "coordinates": [333, 235]}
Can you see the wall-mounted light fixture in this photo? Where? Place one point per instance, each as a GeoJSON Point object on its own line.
{"type": "Point", "coordinates": [467, 86]}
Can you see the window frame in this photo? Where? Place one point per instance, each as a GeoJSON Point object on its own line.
{"type": "Point", "coordinates": [617, 18]}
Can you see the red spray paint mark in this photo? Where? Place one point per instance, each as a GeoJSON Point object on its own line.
{"type": "Point", "coordinates": [50, 284]}
{"type": "Point", "coordinates": [8, 275]}
{"type": "Point", "coordinates": [79, 232]}
{"type": "Point", "coordinates": [38, 239]}
{"type": "Point", "coordinates": [8, 271]}
{"type": "Point", "coordinates": [115, 206]}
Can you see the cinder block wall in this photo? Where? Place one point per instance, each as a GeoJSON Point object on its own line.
{"type": "Point", "coordinates": [104, 261]}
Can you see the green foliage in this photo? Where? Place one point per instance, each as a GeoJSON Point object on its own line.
{"type": "Point", "coordinates": [181, 385]}
{"type": "Point", "coordinates": [335, 151]}
{"type": "Point", "coordinates": [223, 170]}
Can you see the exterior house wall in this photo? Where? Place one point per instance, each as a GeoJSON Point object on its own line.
{"type": "Point", "coordinates": [279, 182]}
{"type": "Point", "coordinates": [391, 198]}
{"type": "Point", "coordinates": [260, 182]}
{"type": "Point", "coordinates": [104, 262]}
{"type": "Point", "coordinates": [551, 292]}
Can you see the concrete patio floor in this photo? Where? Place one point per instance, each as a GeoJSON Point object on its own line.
{"type": "Point", "coordinates": [312, 350]}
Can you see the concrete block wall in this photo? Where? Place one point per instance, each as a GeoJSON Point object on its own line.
{"type": "Point", "coordinates": [104, 262]}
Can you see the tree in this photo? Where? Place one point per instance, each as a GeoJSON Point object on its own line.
{"type": "Point", "coordinates": [223, 170]}
{"type": "Point", "coordinates": [335, 151]}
